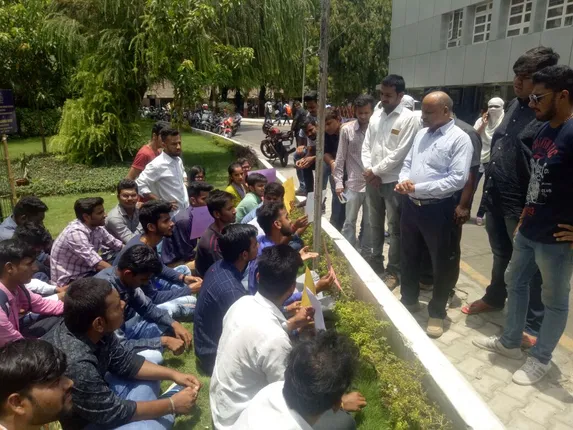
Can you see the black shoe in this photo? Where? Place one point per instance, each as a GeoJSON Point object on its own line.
{"type": "Point", "coordinates": [300, 192]}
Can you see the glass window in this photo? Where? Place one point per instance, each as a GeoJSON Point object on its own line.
{"type": "Point", "coordinates": [519, 17]}
{"type": "Point", "coordinates": [455, 28]}
{"type": "Point", "coordinates": [559, 13]}
{"type": "Point", "coordinates": [482, 22]}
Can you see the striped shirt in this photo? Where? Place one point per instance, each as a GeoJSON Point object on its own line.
{"type": "Point", "coordinates": [349, 158]}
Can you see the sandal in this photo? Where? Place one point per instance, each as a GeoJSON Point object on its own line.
{"type": "Point", "coordinates": [478, 307]}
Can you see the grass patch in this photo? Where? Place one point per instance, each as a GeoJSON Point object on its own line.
{"type": "Point", "coordinates": [18, 147]}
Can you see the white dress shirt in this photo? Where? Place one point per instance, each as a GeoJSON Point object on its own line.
{"type": "Point", "coordinates": [252, 352]}
{"type": "Point", "coordinates": [438, 163]}
{"type": "Point", "coordinates": [387, 142]}
{"type": "Point", "coordinates": [165, 177]}
{"type": "Point", "coordinates": [268, 410]}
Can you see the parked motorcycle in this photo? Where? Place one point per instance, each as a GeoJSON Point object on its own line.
{"type": "Point", "coordinates": [277, 144]}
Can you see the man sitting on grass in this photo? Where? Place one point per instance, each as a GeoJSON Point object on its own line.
{"type": "Point", "coordinates": [256, 183]}
{"type": "Point", "coordinates": [221, 288]}
{"type": "Point", "coordinates": [153, 327]}
{"type": "Point", "coordinates": [179, 248]}
{"type": "Point", "coordinates": [17, 265]}
{"type": "Point", "coordinates": [221, 205]}
{"type": "Point", "coordinates": [318, 373]}
{"type": "Point", "coordinates": [175, 285]}
{"type": "Point", "coordinates": [123, 220]}
{"type": "Point", "coordinates": [76, 251]}
{"type": "Point", "coordinates": [255, 340]}
{"type": "Point", "coordinates": [274, 192]}
{"type": "Point", "coordinates": [29, 209]}
{"type": "Point", "coordinates": [34, 390]}
{"type": "Point", "coordinates": [113, 386]}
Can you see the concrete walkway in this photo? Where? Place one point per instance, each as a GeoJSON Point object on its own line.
{"type": "Point", "coordinates": [548, 404]}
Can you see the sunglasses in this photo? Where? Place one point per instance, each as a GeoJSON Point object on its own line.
{"type": "Point", "coordinates": [534, 98]}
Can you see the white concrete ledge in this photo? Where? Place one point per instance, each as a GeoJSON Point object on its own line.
{"type": "Point", "coordinates": [445, 385]}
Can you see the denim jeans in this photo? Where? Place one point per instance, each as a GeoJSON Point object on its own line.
{"type": "Point", "coordinates": [385, 202]}
{"type": "Point", "coordinates": [500, 231]}
{"type": "Point", "coordinates": [338, 211]}
{"type": "Point", "coordinates": [299, 173]}
{"type": "Point", "coordinates": [182, 308]}
{"type": "Point", "coordinates": [555, 262]}
{"type": "Point", "coordinates": [356, 201]}
{"type": "Point", "coordinates": [139, 328]}
{"type": "Point", "coordinates": [163, 285]}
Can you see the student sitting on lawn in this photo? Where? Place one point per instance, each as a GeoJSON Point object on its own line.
{"type": "Point", "coordinates": [221, 288]}
{"type": "Point", "coordinates": [123, 220]}
{"type": "Point", "coordinates": [175, 285]}
{"type": "Point", "coordinates": [221, 205]}
{"type": "Point", "coordinates": [179, 248]}
{"type": "Point", "coordinates": [76, 251]}
{"type": "Point", "coordinates": [256, 183]}
{"type": "Point", "coordinates": [144, 321]}
{"type": "Point", "coordinates": [17, 265]}
{"type": "Point", "coordinates": [34, 389]}
{"type": "Point", "coordinates": [29, 209]}
{"type": "Point", "coordinates": [255, 340]}
{"type": "Point", "coordinates": [196, 174]}
{"type": "Point", "coordinates": [113, 386]}
{"type": "Point", "coordinates": [274, 192]}
{"type": "Point", "coordinates": [164, 178]}
{"type": "Point", "coordinates": [237, 186]}
{"type": "Point", "coordinates": [318, 372]}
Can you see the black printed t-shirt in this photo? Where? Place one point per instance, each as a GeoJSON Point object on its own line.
{"type": "Point", "coordinates": [549, 198]}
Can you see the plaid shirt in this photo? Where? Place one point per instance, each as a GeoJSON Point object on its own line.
{"type": "Point", "coordinates": [75, 253]}
{"type": "Point", "coordinates": [349, 158]}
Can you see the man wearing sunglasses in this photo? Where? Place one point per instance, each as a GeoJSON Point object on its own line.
{"type": "Point", "coordinates": [506, 183]}
{"type": "Point", "coordinates": [540, 240]}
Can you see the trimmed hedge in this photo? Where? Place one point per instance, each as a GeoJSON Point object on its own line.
{"type": "Point", "coordinates": [399, 381]}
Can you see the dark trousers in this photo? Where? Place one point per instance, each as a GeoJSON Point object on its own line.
{"type": "Point", "coordinates": [429, 226]}
{"type": "Point", "coordinates": [308, 175]}
{"type": "Point", "coordinates": [36, 325]}
{"type": "Point", "coordinates": [500, 231]}
{"type": "Point", "coordinates": [481, 209]}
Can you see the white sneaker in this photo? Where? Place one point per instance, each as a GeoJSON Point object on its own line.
{"type": "Point", "coordinates": [531, 372]}
{"type": "Point", "coordinates": [494, 345]}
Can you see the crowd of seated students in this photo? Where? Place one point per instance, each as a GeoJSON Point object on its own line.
{"type": "Point", "coordinates": [108, 295]}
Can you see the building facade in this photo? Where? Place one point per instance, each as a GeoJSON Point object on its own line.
{"type": "Point", "coordinates": [470, 46]}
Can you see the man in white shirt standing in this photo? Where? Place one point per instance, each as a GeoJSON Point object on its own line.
{"type": "Point", "coordinates": [436, 167]}
{"type": "Point", "coordinates": [164, 178]}
{"type": "Point", "coordinates": [318, 373]}
{"type": "Point", "coordinates": [388, 139]}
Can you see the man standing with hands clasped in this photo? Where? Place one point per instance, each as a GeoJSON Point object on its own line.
{"type": "Point", "coordinates": [546, 222]}
{"type": "Point", "coordinates": [388, 139]}
{"type": "Point", "coordinates": [436, 167]}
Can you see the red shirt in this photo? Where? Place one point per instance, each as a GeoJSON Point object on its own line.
{"type": "Point", "coordinates": [143, 157]}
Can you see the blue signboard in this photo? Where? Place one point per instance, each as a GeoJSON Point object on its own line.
{"type": "Point", "coordinates": [7, 113]}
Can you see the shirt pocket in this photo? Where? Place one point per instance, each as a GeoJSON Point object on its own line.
{"type": "Point", "coordinates": [439, 157]}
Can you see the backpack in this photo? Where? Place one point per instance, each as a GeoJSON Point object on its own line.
{"type": "Point", "coordinates": [4, 300]}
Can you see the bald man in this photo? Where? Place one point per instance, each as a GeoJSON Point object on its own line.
{"type": "Point", "coordinates": [436, 167]}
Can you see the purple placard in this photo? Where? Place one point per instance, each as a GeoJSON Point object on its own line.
{"type": "Point", "coordinates": [270, 174]}
{"type": "Point", "coordinates": [202, 219]}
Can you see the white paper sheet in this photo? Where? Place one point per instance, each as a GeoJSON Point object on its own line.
{"type": "Point", "coordinates": [318, 316]}
{"type": "Point", "coordinates": [309, 208]}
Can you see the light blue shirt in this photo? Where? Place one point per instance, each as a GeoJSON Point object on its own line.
{"type": "Point", "coordinates": [251, 215]}
{"type": "Point", "coordinates": [7, 228]}
{"type": "Point", "coordinates": [438, 163]}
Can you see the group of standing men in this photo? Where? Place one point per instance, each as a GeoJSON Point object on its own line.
{"type": "Point", "coordinates": [419, 173]}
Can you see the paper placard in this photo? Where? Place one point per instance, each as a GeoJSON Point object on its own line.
{"type": "Point", "coordinates": [309, 208]}
{"type": "Point", "coordinates": [270, 174]}
{"type": "Point", "coordinates": [329, 265]}
{"type": "Point", "coordinates": [202, 219]}
{"type": "Point", "coordinates": [290, 196]}
{"type": "Point", "coordinates": [318, 316]}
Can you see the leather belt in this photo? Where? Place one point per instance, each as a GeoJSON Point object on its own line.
{"type": "Point", "coordinates": [424, 202]}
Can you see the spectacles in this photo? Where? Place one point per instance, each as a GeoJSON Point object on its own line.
{"type": "Point", "coordinates": [534, 98]}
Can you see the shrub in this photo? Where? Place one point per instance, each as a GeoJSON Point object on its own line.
{"type": "Point", "coordinates": [399, 381]}
{"type": "Point", "coordinates": [29, 121]}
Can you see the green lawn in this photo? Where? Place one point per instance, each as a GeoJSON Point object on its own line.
{"type": "Point", "coordinates": [31, 145]}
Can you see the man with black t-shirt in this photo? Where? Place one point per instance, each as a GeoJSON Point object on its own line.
{"type": "Point", "coordinates": [545, 226]}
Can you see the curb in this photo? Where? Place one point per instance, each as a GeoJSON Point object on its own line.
{"type": "Point", "coordinates": [444, 383]}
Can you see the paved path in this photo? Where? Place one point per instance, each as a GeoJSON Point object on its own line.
{"type": "Point", "coordinates": [547, 405]}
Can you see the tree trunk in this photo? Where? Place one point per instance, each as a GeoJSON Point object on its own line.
{"type": "Point", "coordinates": [262, 97]}
{"type": "Point", "coordinates": [239, 101]}
{"type": "Point", "coordinates": [42, 133]}
{"type": "Point", "coordinates": [224, 94]}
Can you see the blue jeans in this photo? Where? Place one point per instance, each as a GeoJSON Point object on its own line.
{"type": "Point", "coordinates": [338, 211]}
{"type": "Point", "coordinates": [181, 308]}
{"type": "Point", "coordinates": [299, 173]}
{"type": "Point", "coordinates": [140, 391]}
{"type": "Point", "coordinates": [555, 261]}
{"type": "Point", "coordinates": [139, 328]}
{"type": "Point", "coordinates": [163, 285]}
{"type": "Point", "coordinates": [355, 202]}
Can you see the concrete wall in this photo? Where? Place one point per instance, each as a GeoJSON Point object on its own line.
{"type": "Point", "coordinates": [418, 40]}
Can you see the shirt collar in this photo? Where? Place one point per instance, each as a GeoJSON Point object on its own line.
{"type": "Point", "coordinates": [445, 128]}
{"type": "Point", "coordinates": [267, 304]}
{"type": "Point", "coordinates": [123, 212]}
{"type": "Point", "coordinates": [233, 269]}
{"type": "Point", "coordinates": [6, 291]}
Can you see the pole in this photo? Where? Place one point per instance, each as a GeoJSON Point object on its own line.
{"type": "Point", "coordinates": [303, 66]}
{"type": "Point", "coordinates": [322, 87]}
{"type": "Point", "coordinates": [9, 169]}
